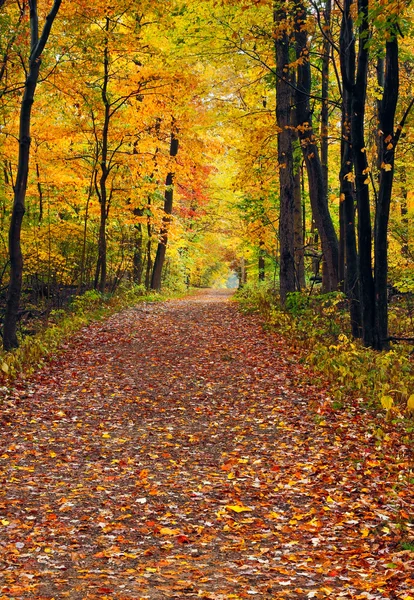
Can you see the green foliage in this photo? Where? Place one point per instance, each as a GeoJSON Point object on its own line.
{"type": "Point", "coordinates": [259, 297]}
{"type": "Point", "coordinates": [87, 301]}
{"type": "Point", "coordinates": [405, 284]}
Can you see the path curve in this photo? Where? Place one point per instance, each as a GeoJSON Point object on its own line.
{"type": "Point", "coordinates": [173, 452]}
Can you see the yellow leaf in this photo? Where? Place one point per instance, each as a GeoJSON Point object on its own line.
{"type": "Point", "coordinates": [151, 570]}
{"type": "Point", "coordinates": [5, 522]}
{"type": "Point", "coordinates": [238, 509]}
{"type": "Point", "coordinates": [330, 500]}
{"type": "Point", "coordinates": [386, 166]}
{"type": "Point", "coordinates": [231, 476]}
{"type": "Point", "coordinates": [52, 454]}
{"type": "Point", "coordinates": [168, 531]}
{"type": "Point", "coordinates": [106, 435]}
{"type": "Point", "coordinates": [410, 403]}
{"type": "Point", "coordinates": [387, 402]}
{"type": "Point", "coordinates": [5, 367]}
{"type": "Point", "coordinates": [47, 550]}
{"type": "Point", "coordinates": [365, 533]}
{"type": "Point", "coordinates": [273, 515]}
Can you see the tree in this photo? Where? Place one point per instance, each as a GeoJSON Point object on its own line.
{"type": "Point", "coordinates": [166, 220]}
{"type": "Point", "coordinates": [355, 72]}
{"type": "Point", "coordinates": [316, 177]}
{"type": "Point", "coordinates": [285, 126]}
{"type": "Point", "coordinates": [37, 45]}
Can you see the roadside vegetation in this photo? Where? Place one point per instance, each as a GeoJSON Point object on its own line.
{"type": "Point", "coordinates": [317, 326]}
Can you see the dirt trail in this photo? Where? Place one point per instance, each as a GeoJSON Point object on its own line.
{"type": "Point", "coordinates": [171, 452]}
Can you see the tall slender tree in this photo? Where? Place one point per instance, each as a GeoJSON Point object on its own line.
{"type": "Point", "coordinates": [285, 152]}
{"type": "Point", "coordinates": [37, 46]}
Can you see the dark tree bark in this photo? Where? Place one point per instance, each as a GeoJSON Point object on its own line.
{"type": "Point", "coordinates": [388, 142]}
{"type": "Point", "coordinates": [148, 268]}
{"type": "Point", "coordinates": [317, 189]}
{"type": "Point", "coordinates": [285, 158]}
{"type": "Point", "coordinates": [298, 232]}
{"type": "Point", "coordinates": [101, 186]}
{"type": "Point", "coordinates": [347, 195]}
{"type": "Point", "coordinates": [138, 256]}
{"type": "Point", "coordinates": [163, 239]}
{"type": "Point", "coordinates": [358, 91]}
{"type": "Point", "coordinates": [326, 52]}
{"type": "Point", "coordinates": [261, 261]}
{"type": "Point", "coordinates": [16, 258]}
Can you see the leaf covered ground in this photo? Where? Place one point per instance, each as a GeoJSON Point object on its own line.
{"type": "Point", "coordinates": [179, 451]}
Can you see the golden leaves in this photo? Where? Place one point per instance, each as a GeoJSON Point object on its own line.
{"type": "Point", "coordinates": [237, 508]}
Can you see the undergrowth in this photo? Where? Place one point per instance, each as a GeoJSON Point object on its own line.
{"type": "Point", "coordinates": [318, 325]}
{"type": "Point", "coordinates": [62, 323]}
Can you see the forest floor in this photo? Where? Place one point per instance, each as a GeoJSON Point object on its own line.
{"type": "Point", "coordinates": [177, 450]}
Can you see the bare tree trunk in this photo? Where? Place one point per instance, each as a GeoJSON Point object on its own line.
{"type": "Point", "coordinates": [261, 261]}
{"type": "Point", "coordinates": [138, 256]}
{"type": "Point", "coordinates": [387, 111]}
{"type": "Point", "coordinates": [16, 258]}
{"type": "Point", "coordinates": [298, 233]}
{"type": "Point", "coordinates": [347, 195]}
{"type": "Point", "coordinates": [326, 53]}
{"type": "Point", "coordinates": [102, 192]}
{"type": "Point", "coordinates": [168, 204]}
{"type": "Point", "coordinates": [148, 269]}
{"type": "Point", "coordinates": [359, 90]}
{"type": "Point", "coordinates": [285, 157]}
{"type": "Point", "coordinates": [317, 189]}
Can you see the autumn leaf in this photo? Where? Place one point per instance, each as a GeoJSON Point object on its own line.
{"type": "Point", "coordinates": [168, 531]}
{"type": "Point", "coordinates": [238, 508]}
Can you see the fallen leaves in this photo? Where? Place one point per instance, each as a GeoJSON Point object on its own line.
{"type": "Point", "coordinates": [178, 474]}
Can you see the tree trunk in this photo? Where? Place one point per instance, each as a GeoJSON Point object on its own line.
{"type": "Point", "coordinates": [326, 52]}
{"type": "Point", "coordinates": [388, 142]}
{"type": "Point", "coordinates": [16, 259]}
{"type": "Point", "coordinates": [347, 195]}
{"type": "Point", "coordinates": [148, 269]}
{"type": "Point", "coordinates": [102, 192]}
{"type": "Point", "coordinates": [317, 190]}
{"type": "Point", "coordinates": [261, 261]}
{"type": "Point", "coordinates": [359, 90]}
{"type": "Point", "coordinates": [285, 159]}
{"type": "Point", "coordinates": [298, 233]}
{"type": "Point", "coordinates": [138, 256]}
{"type": "Point", "coordinates": [163, 240]}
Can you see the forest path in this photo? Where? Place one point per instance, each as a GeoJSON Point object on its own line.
{"type": "Point", "coordinates": [172, 452]}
